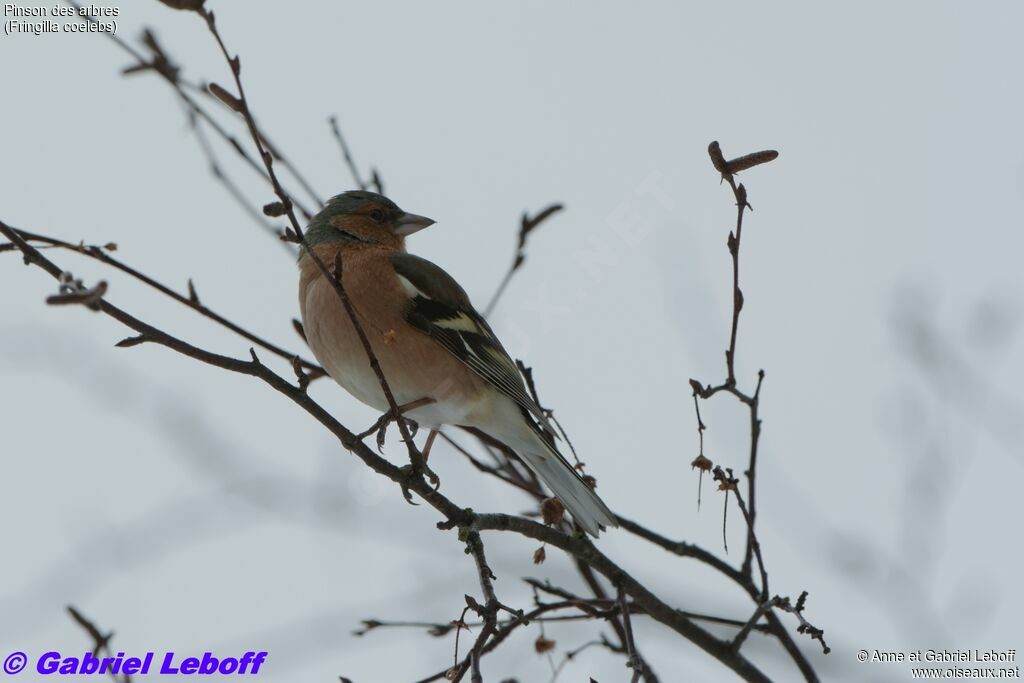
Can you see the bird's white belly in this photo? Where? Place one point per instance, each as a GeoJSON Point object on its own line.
{"type": "Point", "coordinates": [353, 372]}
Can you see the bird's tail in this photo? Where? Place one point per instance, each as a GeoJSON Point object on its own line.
{"type": "Point", "coordinates": [554, 470]}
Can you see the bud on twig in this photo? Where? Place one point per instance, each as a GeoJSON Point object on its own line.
{"type": "Point", "coordinates": [552, 510]}
{"type": "Point", "coordinates": [751, 160]}
{"type": "Point", "coordinates": [715, 151]}
{"type": "Point", "coordinates": [274, 209]}
{"type": "Point", "coordinates": [227, 98]}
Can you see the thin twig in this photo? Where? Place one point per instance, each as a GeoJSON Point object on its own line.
{"type": "Point", "coordinates": [162, 65]}
{"type": "Point", "coordinates": [101, 254]}
{"type": "Point", "coordinates": [100, 642]}
{"type": "Point", "coordinates": [632, 661]}
{"type": "Point", "coordinates": [741, 636]}
{"type": "Point", "coordinates": [805, 626]}
{"type": "Point", "coordinates": [346, 153]}
{"type": "Point", "coordinates": [229, 185]}
{"type": "Point", "coordinates": [526, 226]}
{"type": "Point", "coordinates": [728, 483]}
{"type": "Point", "coordinates": [728, 169]}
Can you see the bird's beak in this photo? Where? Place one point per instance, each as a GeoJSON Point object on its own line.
{"type": "Point", "coordinates": [408, 223]}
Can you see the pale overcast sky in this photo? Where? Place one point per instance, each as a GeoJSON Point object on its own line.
{"type": "Point", "coordinates": [190, 509]}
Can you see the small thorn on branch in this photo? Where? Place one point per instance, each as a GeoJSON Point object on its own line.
{"type": "Point", "coordinates": [300, 374]}
{"type": "Point", "coordinates": [741, 197]}
{"type": "Point", "coordinates": [192, 295]}
{"type": "Point", "coordinates": [128, 342]}
{"type": "Point", "coordinates": [368, 625]}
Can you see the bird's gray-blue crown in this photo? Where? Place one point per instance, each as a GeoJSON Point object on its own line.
{"type": "Point", "coordinates": [361, 216]}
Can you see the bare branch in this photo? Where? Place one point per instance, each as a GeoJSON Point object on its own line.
{"type": "Point", "coordinates": [526, 226]}
{"type": "Point", "coordinates": [100, 641]}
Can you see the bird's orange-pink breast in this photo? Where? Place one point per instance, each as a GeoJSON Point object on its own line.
{"type": "Point", "coordinates": [414, 364]}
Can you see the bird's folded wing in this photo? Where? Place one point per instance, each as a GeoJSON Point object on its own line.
{"type": "Point", "coordinates": [440, 307]}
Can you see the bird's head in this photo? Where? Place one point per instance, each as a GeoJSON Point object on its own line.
{"type": "Point", "coordinates": [358, 217]}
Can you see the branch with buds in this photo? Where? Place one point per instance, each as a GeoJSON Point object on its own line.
{"type": "Point", "coordinates": [616, 597]}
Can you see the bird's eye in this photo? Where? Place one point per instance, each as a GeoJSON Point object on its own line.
{"type": "Point", "coordinates": [377, 215]}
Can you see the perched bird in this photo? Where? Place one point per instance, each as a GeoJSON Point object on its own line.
{"type": "Point", "coordinates": [429, 340]}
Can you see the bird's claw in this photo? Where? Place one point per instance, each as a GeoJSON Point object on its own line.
{"type": "Point", "coordinates": [415, 472]}
{"type": "Point", "coordinates": [380, 427]}
{"type": "Point", "coordinates": [419, 468]}
{"type": "Point", "coordinates": [405, 486]}
{"type": "Point", "coordinates": [432, 477]}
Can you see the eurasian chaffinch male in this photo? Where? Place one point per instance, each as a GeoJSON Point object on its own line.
{"type": "Point", "coordinates": [430, 341]}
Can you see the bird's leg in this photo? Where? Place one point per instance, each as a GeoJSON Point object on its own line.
{"type": "Point", "coordinates": [380, 427]}
{"type": "Point", "coordinates": [418, 467]}
{"type": "Point", "coordinates": [429, 444]}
